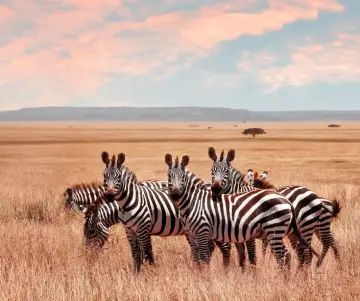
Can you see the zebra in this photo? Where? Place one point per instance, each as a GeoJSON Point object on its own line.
{"type": "Point", "coordinates": [308, 207]}
{"type": "Point", "coordinates": [231, 217]}
{"type": "Point", "coordinates": [78, 196]}
{"type": "Point", "coordinates": [331, 210]}
{"type": "Point", "coordinates": [138, 205]}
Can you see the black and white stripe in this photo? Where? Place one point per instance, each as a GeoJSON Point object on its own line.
{"type": "Point", "coordinates": [137, 205]}
{"type": "Point", "coordinates": [78, 196]}
{"type": "Point", "coordinates": [308, 207]}
{"type": "Point", "coordinates": [330, 210]}
{"type": "Point", "coordinates": [231, 218]}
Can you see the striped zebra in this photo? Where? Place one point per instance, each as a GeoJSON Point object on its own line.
{"type": "Point", "coordinates": [308, 208]}
{"type": "Point", "coordinates": [136, 206]}
{"type": "Point", "coordinates": [78, 196]}
{"type": "Point", "coordinates": [331, 209]}
{"type": "Point", "coordinates": [231, 217]}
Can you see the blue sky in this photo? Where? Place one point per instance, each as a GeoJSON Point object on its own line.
{"type": "Point", "coordinates": [257, 55]}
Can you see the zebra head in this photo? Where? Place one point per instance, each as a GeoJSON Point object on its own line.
{"type": "Point", "coordinates": [71, 200]}
{"type": "Point", "coordinates": [95, 232]}
{"type": "Point", "coordinates": [221, 171]}
{"type": "Point", "coordinates": [176, 176]}
{"type": "Point", "coordinates": [259, 181]}
{"type": "Point", "coordinates": [113, 174]}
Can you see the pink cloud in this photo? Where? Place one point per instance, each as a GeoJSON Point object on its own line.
{"type": "Point", "coordinates": [334, 61]}
{"type": "Point", "coordinates": [202, 28]}
{"type": "Point", "coordinates": [95, 50]}
{"type": "Point", "coordinates": [5, 13]}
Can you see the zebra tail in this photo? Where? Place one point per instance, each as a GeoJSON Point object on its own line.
{"type": "Point", "coordinates": [336, 208]}
{"type": "Point", "coordinates": [297, 232]}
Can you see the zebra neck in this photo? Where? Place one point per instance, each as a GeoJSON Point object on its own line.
{"type": "Point", "coordinates": [191, 197]}
{"type": "Point", "coordinates": [195, 180]}
{"type": "Point", "coordinates": [236, 181]}
{"type": "Point", "coordinates": [129, 196]}
{"type": "Point", "coordinates": [109, 213]}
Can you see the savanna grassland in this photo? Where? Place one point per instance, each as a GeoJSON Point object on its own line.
{"type": "Point", "coordinates": [41, 254]}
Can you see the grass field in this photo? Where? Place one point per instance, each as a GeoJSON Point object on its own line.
{"type": "Point", "coordinates": [41, 251]}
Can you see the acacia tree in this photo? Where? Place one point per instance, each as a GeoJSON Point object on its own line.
{"type": "Point", "coordinates": [254, 131]}
{"type": "Point", "coordinates": [333, 126]}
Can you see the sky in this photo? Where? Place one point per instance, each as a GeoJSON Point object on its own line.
{"type": "Point", "coordinates": [250, 54]}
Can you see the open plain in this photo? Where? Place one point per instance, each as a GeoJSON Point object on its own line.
{"type": "Point", "coordinates": [41, 255]}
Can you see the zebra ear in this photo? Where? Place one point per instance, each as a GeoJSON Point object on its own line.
{"type": "Point", "coordinates": [168, 159]}
{"type": "Point", "coordinates": [185, 160]}
{"type": "Point", "coordinates": [264, 175]}
{"type": "Point", "coordinates": [69, 192]}
{"type": "Point", "coordinates": [212, 153]}
{"type": "Point", "coordinates": [120, 159]}
{"type": "Point", "coordinates": [105, 157]}
{"type": "Point", "coordinates": [230, 156]}
{"type": "Point", "coordinates": [250, 174]}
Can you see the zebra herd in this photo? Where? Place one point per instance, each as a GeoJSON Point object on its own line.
{"type": "Point", "coordinates": [229, 210]}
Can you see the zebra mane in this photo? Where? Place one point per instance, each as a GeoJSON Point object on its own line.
{"type": "Point", "coordinates": [238, 174]}
{"type": "Point", "coordinates": [150, 180]}
{"type": "Point", "coordinates": [260, 183]}
{"type": "Point", "coordinates": [198, 182]}
{"type": "Point", "coordinates": [129, 175]}
{"type": "Point", "coordinates": [82, 185]}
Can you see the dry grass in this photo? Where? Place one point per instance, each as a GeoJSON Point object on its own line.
{"type": "Point", "coordinates": [41, 252]}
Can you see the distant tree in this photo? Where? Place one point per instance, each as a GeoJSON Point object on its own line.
{"type": "Point", "coordinates": [333, 126]}
{"type": "Point", "coordinates": [235, 125]}
{"type": "Point", "coordinates": [254, 131]}
{"type": "Point", "coordinates": [210, 127]}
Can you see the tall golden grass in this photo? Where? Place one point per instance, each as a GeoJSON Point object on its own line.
{"type": "Point", "coordinates": [41, 251]}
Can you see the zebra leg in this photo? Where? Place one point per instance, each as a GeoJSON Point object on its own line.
{"type": "Point", "coordinates": [225, 249]}
{"type": "Point", "coordinates": [149, 252]}
{"type": "Point", "coordinates": [240, 247]}
{"type": "Point", "coordinates": [265, 243]}
{"type": "Point", "coordinates": [202, 241]}
{"type": "Point", "coordinates": [325, 236]}
{"type": "Point", "coordinates": [308, 255]}
{"type": "Point", "coordinates": [144, 240]}
{"type": "Point", "coordinates": [135, 249]}
{"type": "Point", "coordinates": [298, 248]}
{"type": "Point", "coordinates": [281, 253]}
{"type": "Point", "coordinates": [194, 248]}
{"type": "Point", "coordinates": [251, 248]}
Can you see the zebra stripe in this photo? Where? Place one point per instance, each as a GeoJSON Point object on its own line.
{"type": "Point", "coordinates": [231, 218]}
{"type": "Point", "coordinates": [78, 196]}
{"type": "Point", "coordinates": [308, 207]}
{"type": "Point", "coordinates": [122, 187]}
{"type": "Point", "coordinates": [228, 183]}
{"type": "Point", "coordinates": [330, 210]}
